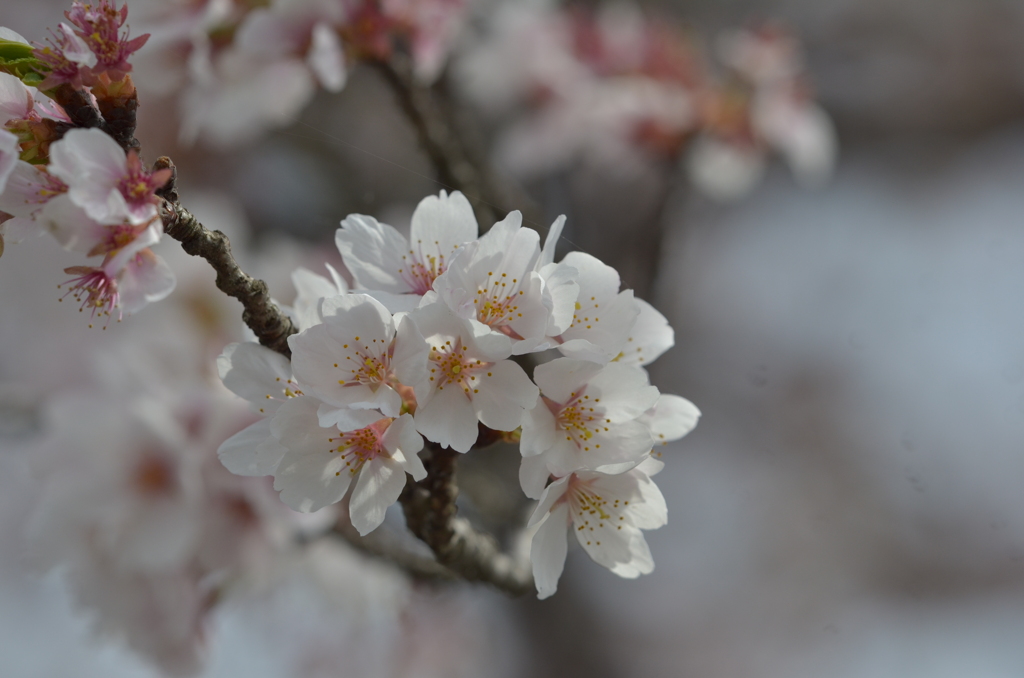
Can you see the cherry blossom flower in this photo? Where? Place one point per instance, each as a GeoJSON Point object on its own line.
{"type": "Point", "coordinates": [606, 513]}
{"type": "Point", "coordinates": [603, 318]}
{"type": "Point", "coordinates": [493, 284]}
{"type": "Point", "coordinates": [110, 185]}
{"type": "Point", "coordinates": [357, 358]}
{"type": "Point", "coordinates": [264, 378]}
{"type": "Point", "coordinates": [465, 383]}
{"type": "Point", "coordinates": [586, 418]}
{"type": "Point", "coordinates": [99, 25]}
{"type": "Point", "coordinates": [130, 276]}
{"type": "Point", "coordinates": [381, 258]}
{"type": "Point", "coordinates": [28, 188]}
{"type": "Point", "coordinates": [67, 57]}
{"type": "Point", "coordinates": [321, 463]}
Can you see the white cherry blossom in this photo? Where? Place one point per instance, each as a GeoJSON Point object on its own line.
{"type": "Point", "coordinates": [603, 317]}
{"type": "Point", "coordinates": [357, 358]}
{"type": "Point", "coordinates": [381, 258]}
{"type": "Point", "coordinates": [606, 513]}
{"type": "Point", "coordinates": [493, 283]}
{"type": "Point", "coordinates": [586, 418]}
{"type": "Point", "coordinates": [321, 462]}
{"type": "Point", "coordinates": [561, 288]}
{"type": "Point", "coordinates": [465, 383]}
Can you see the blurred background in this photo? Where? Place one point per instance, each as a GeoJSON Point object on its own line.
{"type": "Point", "coordinates": [851, 502]}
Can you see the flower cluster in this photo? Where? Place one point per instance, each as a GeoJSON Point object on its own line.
{"type": "Point", "coordinates": [424, 347]}
{"type": "Point", "coordinates": [613, 88]}
{"type": "Point", "coordinates": [79, 184]}
{"type": "Point", "coordinates": [246, 67]}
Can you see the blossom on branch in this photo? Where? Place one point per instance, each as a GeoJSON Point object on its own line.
{"type": "Point", "coordinates": [606, 513]}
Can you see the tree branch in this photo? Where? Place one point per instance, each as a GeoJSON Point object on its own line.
{"type": "Point", "coordinates": [448, 154]}
{"type": "Point", "coordinates": [430, 514]}
{"type": "Point", "coordinates": [261, 314]}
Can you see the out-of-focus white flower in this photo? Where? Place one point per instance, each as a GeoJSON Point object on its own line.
{"type": "Point", "coordinates": [110, 185]}
{"type": "Point", "coordinates": [587, 418]}
{"type": "Point", "coordinates": [606, 513]}
{"type": "Point", "coordinates": [235, 94]}
{"type": "Point", "coordinates": [465, 383]}
{"type": "Point", "coordinates": [356, 359]}
{"type": "Point", "coordinates": [381, 258]}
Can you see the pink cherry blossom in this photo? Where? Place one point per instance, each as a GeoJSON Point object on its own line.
{"type": "Point", "coordinates": [110, 185]}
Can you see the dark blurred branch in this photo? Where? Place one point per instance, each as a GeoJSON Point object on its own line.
{"type": "Point", "coordinates": [443, 135]}
{"type": "Point", "coordinates": [261, 314]}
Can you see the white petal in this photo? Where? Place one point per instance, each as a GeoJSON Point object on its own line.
{"type": "Point", "coordinates": [448, 419]}
{"type": "Point", "coordinates": [253, 451]}
{"type": "Point", "coordinates": [146, 279]}
{"type": "Point", "coordinates": [624, 391]}
{"type": "Point", "coordinates": [346, 419]}
{"type": "Point", "coordinates": [310, 289]}
{"type": "Point", "coordinates": [409, 359]}
{"type": "Point", "coordinates": [533, 476]}
{"type": "Point", "coordinates": [551, 494]}
{"type": "Point", "coordinates": [91, 164]}
{"type": "Point", "coordinates": [326, 58]}
{"type": "Point", "coordinates": [373, 253]}
{"type": "Point", "coordinates": [443, 222]}
{"type": "Point", "coordinates": [15, 99]}
{"type": "Point", "coordinates": [379, 484]}
{"type": "Point", "coordinates": [255, 373]}
{"type": "Point", "coordinates": [640, 559]}
{"type": "Point", "coordinates": [562, 291]}
{"type": "Point", "coordinates": [548, 550]}
{"type": "Point", "coordinates": [504, 392]}
{"type": "Point", "coordinates": [9, 154]}
{"type": "Point", "coordinates": [539, 430]}
{"type": "Point", "coordinates": [561, 377]}
{"type": "Point", "coordinates": [547, 255]}
{"type": "Point", "coordinates": [671, 418]}
{"type": "Point", "coordinates": [650, 337]}
{"type": "Point", "coordinates": [309, 482]}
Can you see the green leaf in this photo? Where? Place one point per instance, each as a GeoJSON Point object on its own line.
{"type": "Point", "coordinates": [17, 59]}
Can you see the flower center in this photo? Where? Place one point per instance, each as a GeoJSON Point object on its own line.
{"type": "Point", "coordinates": [496, 300]}
{"type": "Point", "coordinates": [579, 418]}
{"type": "Point", "coordinates": [420, 269]}
{"type": "Point", "coordinates": [358, 447]}
{"type": "Point", "coordinates": [449, 364]}
{"type": "Point", "coordinates": [94, 289]}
